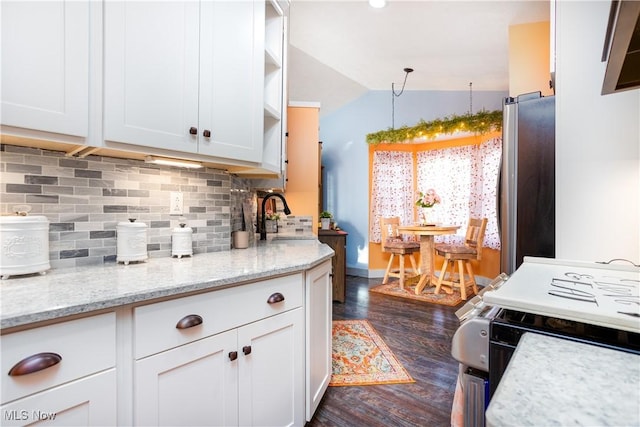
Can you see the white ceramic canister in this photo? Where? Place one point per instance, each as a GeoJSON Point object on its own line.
{"type": "Point", "coordinates": [181, 241]}
{"type": "Point", "coordinates": [131, 241]}
{"type": "Point", "coordinates": [24, 245]}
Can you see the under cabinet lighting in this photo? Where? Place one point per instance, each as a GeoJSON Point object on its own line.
{"type": "Point", "coordinates": [377, 3]}
{"type": "Point", "coordinates": [172, 162]}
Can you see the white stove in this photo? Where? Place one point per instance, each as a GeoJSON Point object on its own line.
{"type": "Point", "coordinates": [592, 303]}
{"type": "Point", "coordinates": [598, 294]}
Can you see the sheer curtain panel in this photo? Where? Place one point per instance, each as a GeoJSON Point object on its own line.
{"type": "Point", "coordinates": [392, 189]}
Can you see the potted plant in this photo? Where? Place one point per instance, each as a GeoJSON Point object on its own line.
{"type": "Point", "coordinates": [271, 221]}
{"type": "Point", "coordinates": [325, 220]}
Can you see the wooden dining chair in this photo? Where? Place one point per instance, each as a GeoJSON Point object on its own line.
{"type": "Point", "coordinates": [462, 255]}
{"type": "Point", "coordinates": [394, 244]}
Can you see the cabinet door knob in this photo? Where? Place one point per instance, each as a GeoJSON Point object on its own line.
{"type": "Point", "coordinates": [276, 297]}
{"type": "Point", "coordinates": [246, 349]}
{"type": "Point", "coordinates": [189, 321]}
{"type": "Point", "coordinates": [233, 355]}
{"type": "Point", "coordinates": [35, 363]}
{"type": "Point", "coordinates": [193, 130]}
{"type": "Point", "coordinates": [206, 133]}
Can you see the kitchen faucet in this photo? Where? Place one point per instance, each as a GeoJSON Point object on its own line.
{"type": "Point", "coordinates": [263, 220]}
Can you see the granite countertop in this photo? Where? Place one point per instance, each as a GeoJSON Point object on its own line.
{"type": "Point", "coordinates": [556, 382]}
{"type": "Point", "coordinates": [69, 291]}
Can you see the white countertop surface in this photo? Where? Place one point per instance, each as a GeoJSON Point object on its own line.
{"type": "Point", "coordinates": [64, 292]}
{"type": "Point", "coordinates": [557, 382]}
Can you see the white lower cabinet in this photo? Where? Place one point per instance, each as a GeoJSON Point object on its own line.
{"type": "Point", "coordinates": [319, 309]}
{"type": "Point", "coordinates": [248, 373]}
{"type": "Point", "coordinates": [195, 384]}
{"type": "Point", "coordinates": [271, 377]}
{"type": "Point", "coordinates": [61, 374]}
{"type": "Point", "coordinates": [89, 401]}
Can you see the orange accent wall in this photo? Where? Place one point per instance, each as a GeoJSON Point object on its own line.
{"type": "Point", "coordinates": [303, 155]}
{"type": "Point", "coordinates": [489, 266]}
{"type": "Point", "coordinates": [529, 58]}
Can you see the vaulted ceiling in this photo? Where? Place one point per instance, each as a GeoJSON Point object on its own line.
{"type": "Point", "coordinates": [339, 50]}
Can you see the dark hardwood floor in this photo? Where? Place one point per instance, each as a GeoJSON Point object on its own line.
{"type": "Point", "coordinates": [420, 335]}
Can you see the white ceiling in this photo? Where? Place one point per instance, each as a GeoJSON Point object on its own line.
{"type": "Point", "coordinates": [339, 50]}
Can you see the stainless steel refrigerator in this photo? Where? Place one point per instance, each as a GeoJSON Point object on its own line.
{"type": "Point", "coordinates": [527, 179]}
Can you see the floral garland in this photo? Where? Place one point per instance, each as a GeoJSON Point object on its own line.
{"type": "Point", "coordinates": [480, 123]}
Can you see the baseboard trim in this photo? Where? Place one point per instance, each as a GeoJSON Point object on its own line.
{"type": "Point", "coordinates": [375, 274]}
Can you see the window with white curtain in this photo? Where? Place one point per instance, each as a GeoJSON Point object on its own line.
{"type": "Point", "coordinates": [465, 178]}
{"type": "Point", "coordinates": [448, 172]}
{"type": "Point", "coordinates": [392, 189]}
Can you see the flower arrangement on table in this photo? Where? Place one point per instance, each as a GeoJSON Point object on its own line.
{"type": "Point", "coordinates": [425, 201]}
{"type": "Point", "coordinates": [428, 199]}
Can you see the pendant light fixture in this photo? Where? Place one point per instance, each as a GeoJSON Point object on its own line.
{"type": "Point", "coordinates": [394, 95]}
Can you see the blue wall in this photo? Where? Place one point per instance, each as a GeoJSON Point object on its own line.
{"type": "Point", "coordinates": [345, 153]}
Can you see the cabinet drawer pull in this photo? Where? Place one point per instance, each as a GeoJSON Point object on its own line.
{"type": "Point", "coordinates": [206, 133]}
{"type": "Point", "coordinates": [233, 355]}
{"type": "Point", "coordinates": [193, 130]}
{"type": "Point", "coordinates": [189, 321]}
{"type": "Point", "coordinates": [35, 363]}
{"type": "Point", "coordinates": [246, 350]}
{"type": "Point", "coordinates": [276, 297]}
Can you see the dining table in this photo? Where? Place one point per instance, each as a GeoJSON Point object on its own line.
{"type": "Point", "coordinates": [427, 253]}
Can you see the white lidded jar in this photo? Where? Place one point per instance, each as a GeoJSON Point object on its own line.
{"type": "Point", "coordinates": [131, 241]}
{"type": "Point", "coordinates": [24, 244]}
{"type": "Point", "coordinates": [181, 241]}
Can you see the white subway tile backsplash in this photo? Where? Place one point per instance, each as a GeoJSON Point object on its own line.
{"type": "Point", "coordinates": [49, 207]}
{"type": "Point", "coordinates": [60, 245]}
{"type": "Point", "coordinates": [58, 171]}
{"type": "Point", "coordinates": [79, 183]}
{"type": "Point", "coordinates": [11, 177]}
{"type": "Point", "coordinates": [23, 168]}
{"type": "Point", "coordinates": [13, 158]}
{"type": "Point", "coordinates": [12, 199]}
{"type": "Point", "coordinates": [89, 260]}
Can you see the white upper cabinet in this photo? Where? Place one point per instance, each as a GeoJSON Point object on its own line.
{"type": "Point", "coordinates": [185, 76]}
{"type": "Point", "coordinates": [231, 78]}
{"type": "Point", "coordinates": [45, 66]}
{"type": "Point", "coordinates": [151, 73]}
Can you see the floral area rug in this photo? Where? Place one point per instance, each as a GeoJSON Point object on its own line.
{"type": "Point", "coordinates": [361, 357]}
{"type": "Point", "coordinates": [427, 295]}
